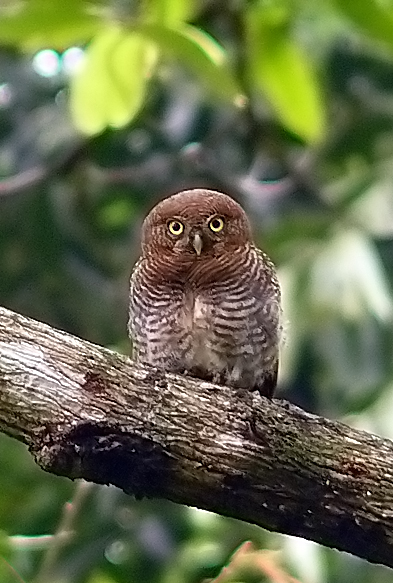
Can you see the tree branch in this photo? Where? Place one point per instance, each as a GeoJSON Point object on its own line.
{"type": "Point", "coordinates": [86, 412]}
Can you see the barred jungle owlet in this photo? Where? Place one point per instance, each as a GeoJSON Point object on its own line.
{"type": "Point", "coordinates": [203, 298]}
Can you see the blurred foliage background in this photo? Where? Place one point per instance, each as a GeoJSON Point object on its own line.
{"type": "Point", "coordinates": [106, 106]}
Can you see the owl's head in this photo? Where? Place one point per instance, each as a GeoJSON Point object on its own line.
{"type": "Point", "coordinates": [195, 224]}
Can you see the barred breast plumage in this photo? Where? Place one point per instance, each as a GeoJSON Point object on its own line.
{"type": "Point", "coordinates": [203, 298]}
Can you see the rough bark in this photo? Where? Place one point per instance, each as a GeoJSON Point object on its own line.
{"type": "Point", "coordinates": [86, 412]}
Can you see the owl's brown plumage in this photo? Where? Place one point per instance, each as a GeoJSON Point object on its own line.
{"type": "Point", "coordinates": [203, 298]}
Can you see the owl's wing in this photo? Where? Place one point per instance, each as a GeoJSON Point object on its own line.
{"type": "Point", "coordinates": [266, 290]}
{"type": "Point", "coordinates": [134, 308]}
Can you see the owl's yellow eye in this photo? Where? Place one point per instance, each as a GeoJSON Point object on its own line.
{"type": "Point", "coordinates": [216, 224]}
{"type": "Point", "coordinates": [175, 228]}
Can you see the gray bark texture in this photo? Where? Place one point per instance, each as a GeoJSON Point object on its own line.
{"type": "Point", "coordinates": [87, 412]}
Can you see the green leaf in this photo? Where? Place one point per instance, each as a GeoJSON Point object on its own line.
{"type": "Point", "coordinates": [116, 213]}
{"type": "Point", "coordinates": [110, 88]}
{"type": "Point", "coordinates": [372, 17]}
{"type": "Point", "coordinates": [100, 577]}
{"type": "Point", "coordinates": [280, 69]}
{"type": "Point", "coordinates": [37, 24]}
{"type": "Point", "coordinates": [201, 54]}
{"type": "Point", "coordinates": [169, 12]}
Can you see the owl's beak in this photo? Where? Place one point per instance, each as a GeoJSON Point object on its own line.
{"type": "Point", "coordinates": [197, 243]}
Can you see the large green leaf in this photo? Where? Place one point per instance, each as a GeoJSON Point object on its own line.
{"type": "Point", "coordinates": [201, 54]}
{"type": "Point", "coordinates": [110, 88]}
{"type": "Point", "coordinates": [280, 69]}
{"type": "Point", "coordinates": [47, 23]}
{"type": "Point", "coordinates": [372, 17]}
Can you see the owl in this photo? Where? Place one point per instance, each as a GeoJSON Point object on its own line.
{"type": "Point", "coordinates": [204, 300]}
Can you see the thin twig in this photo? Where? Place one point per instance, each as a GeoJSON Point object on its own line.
{"type": "Point", "coordinates": [64, 533]}
{"type": "Point", "coordinates": [247, 557]}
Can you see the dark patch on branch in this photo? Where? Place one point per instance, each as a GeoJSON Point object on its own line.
{"type": "Point", "coordinates": [236, 482]}
{"type": "Point", "coordinates": [157, 378]}
{"type": "Point", "coordinates": [95, 383]}
{"type": "Point", "coordinates": [101, 454]}
{"type": "Point", "coordinates": [355, 468]}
